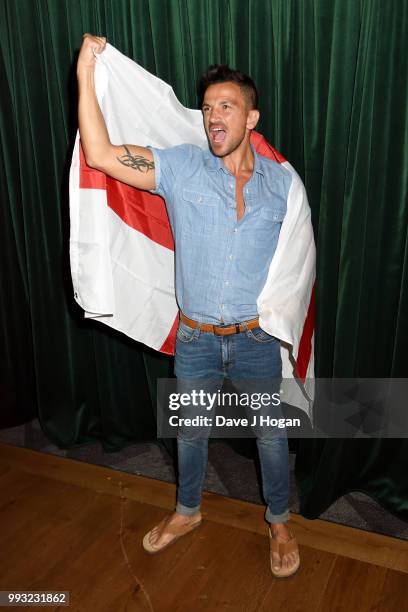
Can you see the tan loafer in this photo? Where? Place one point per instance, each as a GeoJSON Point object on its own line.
{"type": "Point", "coordinates": [283, 548]}
{"type": "Point", "coordinates": [177, 531]}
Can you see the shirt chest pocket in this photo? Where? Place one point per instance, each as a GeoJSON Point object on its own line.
{"type": "Point", "coordinates": [199, 212]}
{"type": "Point", "coordinates": [267, 227]}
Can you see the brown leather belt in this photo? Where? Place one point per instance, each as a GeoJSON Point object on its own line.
{"type": "Point", "coordinates": [221, 330]}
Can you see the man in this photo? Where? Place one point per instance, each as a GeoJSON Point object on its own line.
{"type": "Point", "coordinates": [225, 206]}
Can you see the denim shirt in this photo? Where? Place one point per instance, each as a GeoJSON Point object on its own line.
{"type": "Point", "coordinates": [221, 264]}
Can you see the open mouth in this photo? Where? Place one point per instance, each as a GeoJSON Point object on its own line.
{"type": "Point", "coordinates": [218, 134]}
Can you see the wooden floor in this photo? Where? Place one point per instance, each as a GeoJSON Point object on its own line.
{"type": "Point", "coordinates": [67, 525]}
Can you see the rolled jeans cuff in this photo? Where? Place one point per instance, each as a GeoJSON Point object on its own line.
{"type": "Point", "coordinates": [186, 510]}
{"type": "Point", "coordinates": [276, 518]}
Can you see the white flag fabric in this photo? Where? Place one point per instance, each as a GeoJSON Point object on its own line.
{"type": "Point", "coordinates": [121, 245]}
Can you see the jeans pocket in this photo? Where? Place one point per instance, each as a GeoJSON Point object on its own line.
{"type": "Point", "coordinates": [185, 333]}
{"type": "Point", "coordinates": [259, 335]}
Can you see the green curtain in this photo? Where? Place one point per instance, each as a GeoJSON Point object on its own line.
{"type": "Point", "coordinates": [332, 78]}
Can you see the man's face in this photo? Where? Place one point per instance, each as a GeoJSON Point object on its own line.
{"type": "Point", "coordinates": [226, 117]}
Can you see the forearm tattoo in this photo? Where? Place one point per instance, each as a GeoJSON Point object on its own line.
{"type": "Point", "coordinates": [138, 162]}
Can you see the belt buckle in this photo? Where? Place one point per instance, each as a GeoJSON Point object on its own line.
{"type": "Point", "coordinates": [217, 327]}
{"type": "Point", "coordinates": [222, 326]}
{"type": "Point", "coordinates": [236, 325]}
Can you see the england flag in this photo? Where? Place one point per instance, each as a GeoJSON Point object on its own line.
{"type": "Point", "coordinates": [121, 244]}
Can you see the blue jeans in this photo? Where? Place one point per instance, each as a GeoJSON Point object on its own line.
{"type": "Point", "coordinates": [250, 359]}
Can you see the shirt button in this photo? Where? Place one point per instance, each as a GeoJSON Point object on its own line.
{"type": "Point", "coordinates": [221, 306]}
{"type": "Point", "coordinates": [200, 199]}
{"type": "Point", "coordinates": [230, 256]}
{"type": "Point", "coordinates": [227, 282]}
{"type": "Point", "coordinates": [231, 186]}
{"type": "Point", "coordinates": [235, 229]}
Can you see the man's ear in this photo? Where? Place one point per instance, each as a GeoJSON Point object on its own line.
{"type": "Point", "coordinates": [252, 119]}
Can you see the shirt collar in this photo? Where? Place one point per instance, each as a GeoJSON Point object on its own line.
{"type": "Point", "coordinates": [214, 163]}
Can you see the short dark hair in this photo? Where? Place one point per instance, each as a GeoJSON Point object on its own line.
{"type": "Point", "coordinates": [222, 73]}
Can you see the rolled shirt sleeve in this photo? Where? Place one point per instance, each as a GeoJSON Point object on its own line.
{"type": "Point", "coordinates": [168, 163]}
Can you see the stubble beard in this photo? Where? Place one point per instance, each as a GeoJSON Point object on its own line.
{"type": "Point", "coordinates": [230, 148]}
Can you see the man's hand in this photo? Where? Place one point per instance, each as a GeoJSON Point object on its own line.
{"type": "Point", "coordinates": [90, 46]}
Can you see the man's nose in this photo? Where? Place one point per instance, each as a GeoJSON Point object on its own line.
{"type": "Point", "coordinates": [214, 115]}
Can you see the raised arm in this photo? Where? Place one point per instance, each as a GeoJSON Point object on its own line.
{"type": "Point", "coordinates": [128, 163]}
